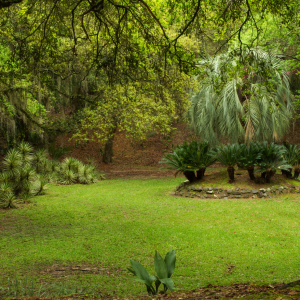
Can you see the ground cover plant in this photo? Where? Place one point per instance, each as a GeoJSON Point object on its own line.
{"type": "Point", "coordinates": [82, 237]}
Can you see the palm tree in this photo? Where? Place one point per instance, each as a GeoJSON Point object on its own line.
{"type": "Point", "coordinates": [237, 103]}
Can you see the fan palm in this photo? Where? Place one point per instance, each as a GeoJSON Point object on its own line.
{"type": "Point", "coordinates": [248, 105]}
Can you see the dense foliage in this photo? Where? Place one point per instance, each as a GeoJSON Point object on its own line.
{"type": "Point", "coordinates": [266, 158]}
{"type": "Point", "coordinates": [26, 173]}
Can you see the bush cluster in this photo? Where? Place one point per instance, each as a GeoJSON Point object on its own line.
{"type": "Point", "coordinates": [26, 173]}
{"type": "Point", "coordinates": [192, 159]}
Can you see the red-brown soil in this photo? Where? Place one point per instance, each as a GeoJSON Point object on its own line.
{"type": "Point", "coordinates": [141, 160]}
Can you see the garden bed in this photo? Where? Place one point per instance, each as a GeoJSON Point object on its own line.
{"type": "Point", "coordinates": [216, 186]}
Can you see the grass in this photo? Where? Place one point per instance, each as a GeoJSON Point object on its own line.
{"type": "Point", "coordinates": [84, 236]}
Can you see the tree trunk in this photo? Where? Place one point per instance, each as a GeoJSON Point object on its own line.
{"type": "Point", "coordinates": [251, 173]}
{"type": "Point", "coordinates": [230, 171]}
{"type": "Point", "coordinates": [268, 176]}
{"type": "Point", "coordinates": [263, 175]}
{"type": "Point", "coordinates": [296, 173]}
{"type": "Point", "coordinates": [200, 173]}
{"type": "Point", "coordinates": [288, 173]}
{"type": "Point", "coordinates": [190, 175]}
{"type": "Point", "coordinates": [108, 148]}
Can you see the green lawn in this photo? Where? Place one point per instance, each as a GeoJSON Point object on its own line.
{"type": "Point", "coordinates": [99, 228]}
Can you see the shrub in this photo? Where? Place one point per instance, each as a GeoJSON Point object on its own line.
{"type": "Point", "coordinates": [271, 159]}
{"type": "Point", "coordinates": [228, 156]}
{"type": "Point", "coordinates": [26, 173]}
{"type": "Point", "coordinates": [189, 158]}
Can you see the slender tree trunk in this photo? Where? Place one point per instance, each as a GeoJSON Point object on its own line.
{"type": "Point", "coordinates": [190, 175]}
{"type": "Point", "coordinates": [108, 149]}
{"type": "Point", "coordinates": [230, 171]}
{"type": "Point", "coordinates": [251, 173]}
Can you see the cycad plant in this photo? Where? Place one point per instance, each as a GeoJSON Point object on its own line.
{"type": "Point", "coordinates": [292, 156]}
{"type": "Point", "coordinates": [180, 162]}
{"type": "Point", "coordinates": [271, 159]}
{"type": "Point", "coordinates": [242, 101]}
{"type": "Point", "coordinates": [228, 156]}
{"type": "Point", "coordinates": [249, 156]}
{"type": "Point", "coordinates": [189, 158]}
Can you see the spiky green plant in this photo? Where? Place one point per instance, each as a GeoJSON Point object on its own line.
{"type": "Point", "coordinates": [228, 155]}
{"type": "Point", "coordinates": [271, 159]}
{"type": "Point", "coordinates": [249, 156]}
{"type": "Point", "coordinates": [292, 157]}
{"type": "Point", "coordinates": [242, 102]}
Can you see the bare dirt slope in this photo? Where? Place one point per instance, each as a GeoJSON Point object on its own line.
{"type": "Point", "coordinates": [141, 159]}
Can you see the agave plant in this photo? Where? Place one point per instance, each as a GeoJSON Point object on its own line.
{"type": "Point", "coordinates": [271, 159]}
{"type": "Point", "coordinates": [39, 159]}
{"type": "Point", "coordinates": [12, 162]}
{"type": "Point", "coordinates": [228, 156]}
{"type": "Point", "coordinates": [164, 269]}
{"type": "Point", "coordinates": [249, 156]}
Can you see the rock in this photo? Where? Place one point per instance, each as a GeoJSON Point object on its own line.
{"type": "Point", "coordinates": [209, 192]}
{"type": "Point", "coordinates": [254, 197]}
{"type": "Point", "coordinates": [220, 190]}
{"type": "Point", "coordinates": [238, 196]}
{"type": "Point", "coordinates": [268, 190]}
{"type": "Point", "coordinates": [205, 189]}
{"type": "Point", "coordinates": [188, 195]}
{"type": "Point", "coordinates": [280, 189]}
{"type": "Point", "coordinates": [265, 195]}
{"type": "Point", "coordinates": [229, 191]}
{"type": "Point", "coordinates": [210, 188]}
{"type": "Point", "coordinates": [237, 189]}
{"type": "Point", "coordinates": [293, 186]}
{"type": "Point", "coordinates": [243, 192]}
{"type": "Point", "coordinates": [209, 196]}
{"type": "Point", "coordinates": [215, 189]}
{"type": "Point", "coordinates": [246, 196]}
{"type": "Point", "coordinates": [270, 197]}
{"type": "Point", "coordinates": [254, 191]}
{"type": "Point", "coordinates": [225, 197]}
{"type": "Point", "coordinates": [236, 193]}
{"type": "Point", "coordinates": [191, 188]}
{"type": "Point", "coordinates": [262, 190]}
{"type": "Point", "coordinates": [260, 195]}
{"type": "Point", "coordinates": [285, 187]}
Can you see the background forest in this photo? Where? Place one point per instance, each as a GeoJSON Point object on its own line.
{"type": "Point", "coordinates": [94, 68]}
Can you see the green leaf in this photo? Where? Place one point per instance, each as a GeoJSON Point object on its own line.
{"type": "Point", "coordinates": [170, 260]}
{"type": "Point", "coordinates": [160, 266]}
{"type": "Point", "coordinates": [168, 282]}
{"type": "Point", "coordinates": [157, 284]}
{"type": "Point", "coordinates": [141, 272]}
{"type": "Point", "coordinates": [131, 270]}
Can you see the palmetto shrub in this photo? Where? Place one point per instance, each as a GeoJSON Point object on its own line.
{"type": "Point", "coordinates": [26, 173]}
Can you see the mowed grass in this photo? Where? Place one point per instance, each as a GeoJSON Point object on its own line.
{"type": "Point", "coordinates": [101, 227]}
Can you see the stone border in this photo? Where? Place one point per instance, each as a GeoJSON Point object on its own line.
{"type": "Point", "coordinates": [219, 193]}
